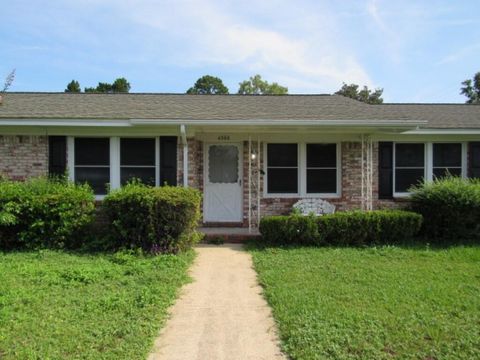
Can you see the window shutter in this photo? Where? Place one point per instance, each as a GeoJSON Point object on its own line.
{"type": "Point", "coordinates": [168, 160]}
{"type": "Point", "coordinates": [474, 160]}
{"type": "Point", "coordinates": [57, 155]}
{"type": "Point", "coordinates": [385, 170]}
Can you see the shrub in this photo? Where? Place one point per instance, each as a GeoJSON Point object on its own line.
{"type": "Point", "coordinates": [44, 213]}
{"type": "Point", "coordinates": [354, 228]}
{"type": "Point", "coordinates": [365, 228]}
{"type": "Point", "coordinates": [292, 229]}
{"type": "Point", "coordinates": [450, 207]}
{"type": "Point", "coordinates": [161, 220]}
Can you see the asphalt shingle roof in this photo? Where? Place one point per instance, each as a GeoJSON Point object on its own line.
{"type": "Point", "coordinates": [229, 107]}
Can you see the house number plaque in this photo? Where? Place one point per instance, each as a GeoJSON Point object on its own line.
{"type": "Point", "coordinates": [223, 137]}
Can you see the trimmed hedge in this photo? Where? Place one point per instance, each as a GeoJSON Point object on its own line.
{"type": "Point", "coordinates": [44, 213]}
{"type": "Point", "coordinates": [450, 207]}
{"type": "Point", "coordinates": [352, 228]}
{"type": "Point", "coordinates": [159, 220]}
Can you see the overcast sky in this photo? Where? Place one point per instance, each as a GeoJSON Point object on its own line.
{"type": "Point", "coordinates": [418, 51]}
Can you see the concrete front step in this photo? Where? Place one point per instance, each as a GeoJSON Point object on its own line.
{"type": "Point", "coordinates": [228, 234]}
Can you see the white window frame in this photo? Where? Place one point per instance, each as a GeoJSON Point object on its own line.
{"type": "Point", "coordinates": [302, 171]}
{"type": "Point", "coordinates": [114, 159]}
{"type": "Point", "coordinates": [428, 161]}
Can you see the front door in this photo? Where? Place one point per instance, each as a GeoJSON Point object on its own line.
{"type": "Point", "coordinates": [223, 183]}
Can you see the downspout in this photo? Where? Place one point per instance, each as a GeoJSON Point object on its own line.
{"type": "Point", "coordinates": [183, 133]}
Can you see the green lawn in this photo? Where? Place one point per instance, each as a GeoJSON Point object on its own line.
{"type": "Point", "coordinates": [55, 305]}
{"type": "Point", "coordinates": [374, 303]}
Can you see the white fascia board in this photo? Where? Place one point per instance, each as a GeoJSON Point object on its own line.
{"type": "Point", "coordinates": [65, 122]}
{"type": "Point", "coordinates": [256, 122]}
{"type": "Point", "coordinates": [443, 132]}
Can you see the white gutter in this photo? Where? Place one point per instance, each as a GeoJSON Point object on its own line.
{"type": "Point", "coordinates": [254, 122]}
{"type": "Point", "coordinates": [183, 133]}
{"type": "Point", "coordinates": [443, 132]}
{"type": "Point", "coordinates": [248, 122]}
{"type": "Point", "coordinates": [65, 122]}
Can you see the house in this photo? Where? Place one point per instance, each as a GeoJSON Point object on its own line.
{"type": "Point", "coordinates": [249, 155]}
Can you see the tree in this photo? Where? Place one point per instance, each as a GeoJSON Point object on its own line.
{"type": "Point", "coordinates": [73, 87]}
{"type": "Point", "coordinates": [120, 85]}
{"type": "Point", "coordinates": [471, 89]}
{"type": "Point", "coordinates": [365, 95]}
{"type": "Point", "coordinates": [256, 86]}
{"type": "Point", "coordinates": [8, 81]}
{"type": "Point", "coordinates": [208, 85]}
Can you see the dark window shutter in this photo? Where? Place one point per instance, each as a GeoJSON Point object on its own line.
{"type": "Point", "coordinates": [385, 170]}
{"type": "Point", "coordinates": [168, 160]}
{"type": "Point", "coordinates": [474, 160]}
{"type": "Point", "coordinates": [57, 155]}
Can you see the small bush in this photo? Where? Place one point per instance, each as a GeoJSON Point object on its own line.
{"type": "Point", "coordinates": [354, 228]}
{"type": "Point", "coordinates": [450, 207]}
{"type": "Point", "coordinates": [292, 229]}
{"type": "Point", "coordinates": [160, 220]}
{"type": "Point", "coordinates": [44, 213]}
{"type": "Point", "coordinates": [365, 228]}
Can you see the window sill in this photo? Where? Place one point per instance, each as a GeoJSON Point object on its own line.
{"type": "Point", "coordinates": [301, 196]}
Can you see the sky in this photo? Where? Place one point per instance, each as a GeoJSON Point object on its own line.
{"type": "Point", "coordinates": [417, 51]}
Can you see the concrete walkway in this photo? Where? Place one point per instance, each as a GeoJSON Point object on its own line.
{"type": "Point", "coordinates": [222, 314]}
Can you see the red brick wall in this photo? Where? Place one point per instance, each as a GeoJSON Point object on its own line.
{"type": "Point", "coordinates": [351, 180]}
{"type": "Point", "coordinates": [23, 156]}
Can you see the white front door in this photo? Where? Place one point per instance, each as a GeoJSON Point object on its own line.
{"type": "Point", "coordinates": [223, 183]}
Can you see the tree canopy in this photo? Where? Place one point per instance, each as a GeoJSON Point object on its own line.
{"type": "Point", "coordinates": [208, 85]}
{"type": "Point", "coordinates": [471, 89]}
{"type": "Point", "coordinates": [365, 95]}
{"type": "Point", "coordinates": [257, 86]}
{"type": "Point", "coordinates": [73, 87]}
{"type": "Point", "coordinates": [120, 85]}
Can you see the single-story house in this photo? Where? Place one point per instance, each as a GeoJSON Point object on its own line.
{"type": "Point", "coordinates": [249, 155]}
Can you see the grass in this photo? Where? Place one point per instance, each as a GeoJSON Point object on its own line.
{"type": "Point", "coordinates": [56, 305]}
{"type": "Point", "coordinates": [374, 303]}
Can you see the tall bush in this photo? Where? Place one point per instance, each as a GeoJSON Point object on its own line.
{"type": "Point", "coordinates": [155, 219]}
{"type": "Point", "coordinates": [450, 207]}
{"type": "Point", "coordinates": [43, 212]}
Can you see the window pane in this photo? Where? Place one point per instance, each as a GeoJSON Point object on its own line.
{"type": "Point", "coordinates": [321, 155]}
{"type": "Point", "coordinates": [405, 178]}
{"type": "Point", "coordinates": [92, 151]}
{"type": "Point", "coordinates": [443, 172]}
{"type": "Point", "coordinates": [145, 175]}
{"type": "Point", "coordinates": [137, 151]}
{"type": "Point", "coordinates": [97, 178]}
{"type": "Point", "coordinates": [321, 181]}
{"type": "Point", "coordinates": [445, 155]}
{"type": "Point", "coordinates": [223, 164]}
{"type": "Point", "coordinates": [282, 155]}
{"type": "Point", "coordinates": [407, 155]}
{"type": "Point", "coordinates": [282, 181]}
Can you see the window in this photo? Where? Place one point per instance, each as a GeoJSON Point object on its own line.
{"type": "Point", "coordinates": [137, 160]}
{"type": "Point", "coordinates": [92, 163]}
{"type": "Point", "coordinates": [223, 164]}
{"type": "Point", "coordinates": [447, 159]}
{"type": "Point", "coordinates": [282, 168]}
{"type": "Point", "coordinates": [321, 168]}
{"type": "Point", "coordinates": [409, 165]}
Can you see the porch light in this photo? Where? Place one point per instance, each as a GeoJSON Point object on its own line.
{"type": "Point", "coordinates": [253, 155]}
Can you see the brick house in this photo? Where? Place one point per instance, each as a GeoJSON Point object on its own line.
{"type": "Point", "coordinates": [249, 155]}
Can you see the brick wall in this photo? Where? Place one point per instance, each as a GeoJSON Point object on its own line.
{"type": "Point", "coordinates": [23, 156]}
{"type": "Point", "coordinates": [351, 157]}
{"type": "Point", "coordinates": [350, 199]}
